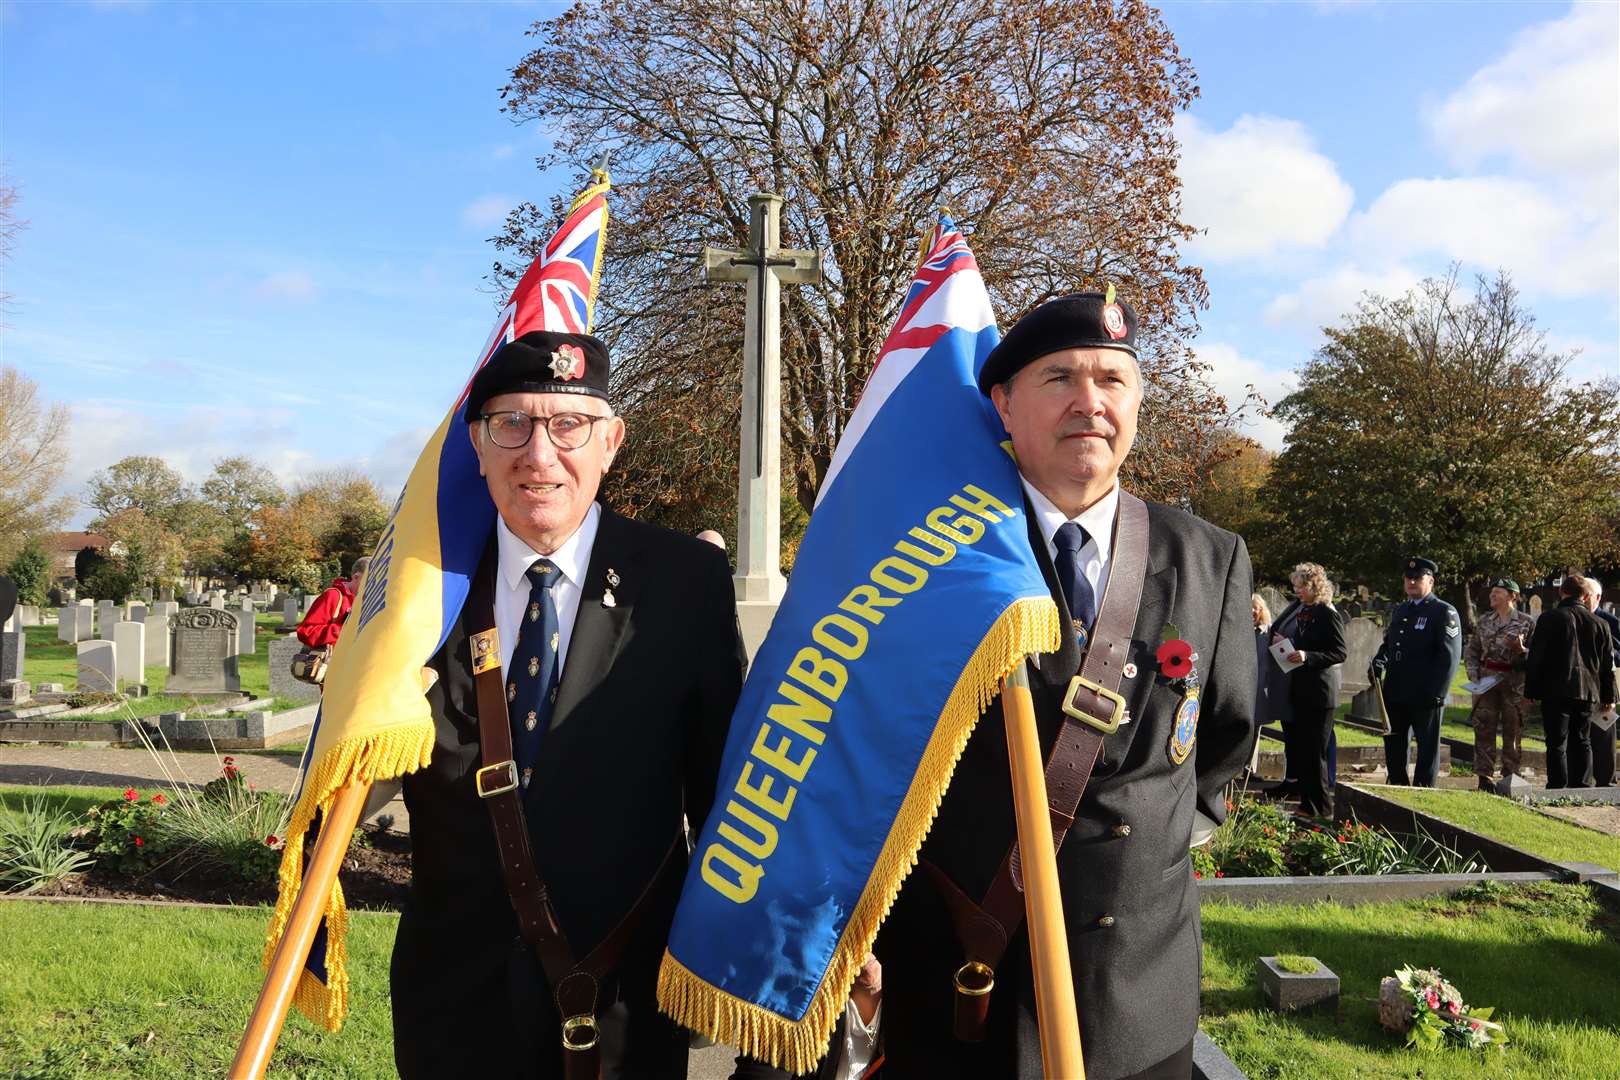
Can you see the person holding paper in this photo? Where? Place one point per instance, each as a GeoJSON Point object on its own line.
{"type": "Point", "coordinates": [1570, 670]}
{"type": "Point", "coordinates": [1498, 649]}
{"type": "Point", "coordinates": [1313, 684]}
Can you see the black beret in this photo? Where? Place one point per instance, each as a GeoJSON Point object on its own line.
{"type": "Point", "coordinates": [1079, 321]}
{"type": "Point", "coordinates": [1505, 583]}
{"type": "Point", "coordinates": [1417, 566]}
{"type": "Point", "coordinates": [541, 362]}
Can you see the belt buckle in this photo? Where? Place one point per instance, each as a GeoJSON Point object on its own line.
{"type": "Point", "coordinates": [1106, 727]}
{"type": "Point", "coordinates": [509, 767]}
{"type": "Point", "coordinates": [580, 1032]}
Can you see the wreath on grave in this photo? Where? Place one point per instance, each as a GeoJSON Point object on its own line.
{"type": "Point", "coordinates": [1432, 1013]}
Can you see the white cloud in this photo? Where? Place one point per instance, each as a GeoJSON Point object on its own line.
{"type": "Point", "coordinates": [487, 211]}
{"type": "Point", "coordinates": [1489, 222]}
{"type": "Point", "coordinates": [292, 285]}
{"type": "Point", "coordinates": [1551, 103]}
{"type": "Point", "coordinates": [1325, 300]}
{"type": "Point", "coordinates": [1258, 187]}
{"type": "Point", "coordinates": [1233, 374]}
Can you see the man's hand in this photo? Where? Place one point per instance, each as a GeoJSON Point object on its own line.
{"type": "Point", "coordinates": [1296, 657]}
{"type": "Point", "coordinates": [1517, 645]}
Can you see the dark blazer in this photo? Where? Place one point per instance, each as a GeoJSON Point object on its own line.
{"type": "Point", "coordinates": [1612, 621]}
{"type": "Point", "coordinates": [1571, 657]}
{"type": "Point", "coordinates": [1422, 647]}
{"type": "Point", "coordinates": [1129, 899]}
{"type": "Point", "coordinates": [646, 696]}
{"type": "Point", "coordinates": [1319, 634]}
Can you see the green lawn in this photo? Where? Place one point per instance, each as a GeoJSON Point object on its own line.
{"type": "Point", "coordinates": [1547, 956]}
{"type": "Point", "coordinates": [50, 660]}
{"type": "Point", "coordinates": [102, 991]}
{"type": "Point", "coordinates": [1511, 823]}
{"type": "Point", "coordinates": [1458, 723]}
{"type": "Point", "coordinates": [69, 797]}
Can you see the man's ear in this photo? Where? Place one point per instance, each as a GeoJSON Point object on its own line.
{"type": "Point", "coordinates": [473, 433]}
{"type": "Point", "coordinates": [613, 438]}
{"type": "Point", "coordinates": [1001, 398]}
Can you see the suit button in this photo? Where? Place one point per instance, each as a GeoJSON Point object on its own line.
{"type": "Point", "coordinates": [1122, 829]}
{"type": "Point", "coordinates": [1106, 921]}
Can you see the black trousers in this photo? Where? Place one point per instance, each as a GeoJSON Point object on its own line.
{"type": "Point", "coordinates": [1603, 755]}
{"type": "Point", "coordinates": [1313, 734]}
{"type": "Point", "coordinates": [1568, 728]}
{"type": "Point", "coordinates": [1423, 723]}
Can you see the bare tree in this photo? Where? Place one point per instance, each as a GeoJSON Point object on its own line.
{"type": "Point", "coordinates": [1044, 127]}
{"type": "Point", "coordinates": [33, 455]}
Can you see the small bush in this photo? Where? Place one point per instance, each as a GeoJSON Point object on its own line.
{"type": "Point", "coordinates": [36, 846]}
{"type": "Point", "coordinates": [228, 828]}
{"type": "Point", "coordinates": [1259, 839]}
{"type": "Point", "coordinates": [127, 833]}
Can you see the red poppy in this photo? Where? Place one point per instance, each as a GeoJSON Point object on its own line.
{"type": "Point", "coordinates": [1175, 659]}
{"type": "Point", "coordinates": [229, 760]}
{"type": "Point", "coordinates": [272, 840]}
{"type": "Point", "coordinates": [1197, 874]}
{"type": "Point", "coordinates": [1220, 873]}
{"type": "Point", "coordinates": [159, 799]}
{"type": "Point", "coordinates": [130, 795]}
{"type": "Point", "coordinates": [139, 841]}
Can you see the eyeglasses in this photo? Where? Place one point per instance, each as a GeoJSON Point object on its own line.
{"type": "Point", "coordinates": [513, 430]}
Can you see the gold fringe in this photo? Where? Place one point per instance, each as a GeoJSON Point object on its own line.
{"type": "Point", "coordinates": [1028, 626]}
{"type": "Point", "coordinates": [368, 759]}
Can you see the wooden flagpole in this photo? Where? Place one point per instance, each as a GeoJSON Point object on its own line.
{"type": "Point", "coordinates": [1043, 902]}
{"type": "Point", "coordinates": [264, 1025]}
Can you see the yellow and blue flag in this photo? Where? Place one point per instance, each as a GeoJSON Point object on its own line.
{"type": "Point", "coordinates": [374, 723]}
{"type": "Point", "coordinates": [914, 593]}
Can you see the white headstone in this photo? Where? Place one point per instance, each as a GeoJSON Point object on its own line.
{"type": "Point", "coordinates": [289, 611]}
{"type": "Point", "coordinates": [98, 667]}
{"type": "Point", "coordinates": [157, 632]}
{"type": "Point", "coordinates": [67, 624]}
{"type": "Point", "coordinates": [137, 613]}
{"type": "Point", "coordinates": [129, 640]}
{"type": "Point", "coordinates": [245, 626]}
{"type": "Point", "coordinates": [27, 615]}
{"type": "Point", "coordinates": [282, 683]}
{"type": "Point", "coordinates": [216, 601]}
{"type": "Point", "coordinates": [106, 619]}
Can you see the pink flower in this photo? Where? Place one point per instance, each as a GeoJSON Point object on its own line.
{"type": "Point", "coordinates": [1432, 998]}
{"type": "Point", "coordinates": [1220, 873]}
{"type": "Point", "coordinates": [1453, 1008]}
{"type": "Point", "coordinates": [159, 799]}
{"type": "Point", "coordinates": [131, 795]}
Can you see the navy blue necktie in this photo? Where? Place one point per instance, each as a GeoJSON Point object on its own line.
{"type": "Point", "coordinates": [1071, 575]}
{"type": "Point", "coordinates": [531, 681]}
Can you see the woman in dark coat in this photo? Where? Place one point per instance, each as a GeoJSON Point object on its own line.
{"type": "Point", "coordinates": [1313, 688]}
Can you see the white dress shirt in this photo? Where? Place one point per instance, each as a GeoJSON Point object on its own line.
{"type": "Point", "coordinates": [572, 559]}
{"type": "Point", "coordinates": [1097, 520]}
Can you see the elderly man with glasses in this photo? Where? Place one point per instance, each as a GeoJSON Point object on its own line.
{"type": "Point", "coordinates": [581, 708]}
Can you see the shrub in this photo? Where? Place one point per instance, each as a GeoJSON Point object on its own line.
{"type": "Point", "coordinates": [1250, 843]}
{"type": "Point", "coordinates": [127, 832]}
{"type": "Point", "coordinates": [36, 846]}
{"type": "Point", "coordinates": [228, 828]}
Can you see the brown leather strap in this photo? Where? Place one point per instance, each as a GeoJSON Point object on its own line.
{"type": "Point", "coordinates": [985, 928]}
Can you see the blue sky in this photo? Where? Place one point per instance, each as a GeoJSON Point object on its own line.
{"type": "Point", "coordinates": [263, 228]}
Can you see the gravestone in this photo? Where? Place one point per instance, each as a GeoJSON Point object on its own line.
{"type": "Point", "coordinates": [1274, 599]}
{"type": "Point", "coordinates": [245, 629]}
{"type": "Point", "coordinates": [1361, 640]}
{"type": "Point", "coordinates": [13, 643]}
{"type": "Point", "coordinates": [28, 615]}
{"type": "Point", "coordinates": [192, 599]}
{"type": "Point", "coordinates": [282, 683]}
{"type": "Point", "coordinates": [136, 613]}
{"type": "Point", "coordinates": [98, 667]}
{"type": "Point", "coordinates": [289, 611]}
{"type": "Point", "coordinates": [217, 601]}
{"type": "Point", "coordinates": [67, 624]}
{"type": "Point", "coordinates": [202, 653]}
{"type": "Point", "coordinates": [157, 632]}
{"type": "Point", "coordinates": [129, 642]}
{"type": "Point", "coordinates": [106, 619]}
{"type": "Point", "coordinates": [166, 593]}
{"type": "Point", "coordinates": [15, 692]}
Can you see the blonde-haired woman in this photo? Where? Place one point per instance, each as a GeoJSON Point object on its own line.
{"type": "Point", "coordinates": [1316, 629]}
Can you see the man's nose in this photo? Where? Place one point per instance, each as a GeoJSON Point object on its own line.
{"type": "Point", "coordinates": [1087, 399]}
{"type": "Point", "coordinates": [540, 451]}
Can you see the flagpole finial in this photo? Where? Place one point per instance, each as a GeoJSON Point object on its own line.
{"type": "Point", "coordinates": [599, 172]}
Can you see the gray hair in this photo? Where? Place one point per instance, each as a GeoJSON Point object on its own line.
{"type": "Point", "coordinates": [359, 566]}
{"type": "Point", "coordinates": [1592, 587]}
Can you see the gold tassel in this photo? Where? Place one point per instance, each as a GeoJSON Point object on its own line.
{"type": "Point", "coordinates": [1028, 626]}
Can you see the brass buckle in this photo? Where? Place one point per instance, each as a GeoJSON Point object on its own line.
{"type": "Point", "coordinates": [571, 1028]}
{"type": "Point", "coordinates": [509, 767]}
{"type": "Point", "coordinates": [1107, 727]}
{"type": "Point", "coordinates": [974, 979]}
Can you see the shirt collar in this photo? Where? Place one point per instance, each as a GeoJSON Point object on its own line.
{"type": "Point", "coordinates": [572, 559]}
{"type": "Point", "coordinates": [1097, 519]}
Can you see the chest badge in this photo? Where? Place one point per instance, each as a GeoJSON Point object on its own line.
{"type": "Point", "coordinates": [1421, 623]}
{"type": "Point", "coordinates": [486, 651]}
{"type": "Point", "coordinates": [1185, 732]}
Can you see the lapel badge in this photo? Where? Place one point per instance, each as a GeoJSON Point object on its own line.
{"type": "Point", "coordinates": [607, 593]}
{"type": "Point", "coordinates": [1129, 671]}
{"type": "Point", "coordinates": [486, 651]}
{"type": "Point", "coordinates": [1185, 732]}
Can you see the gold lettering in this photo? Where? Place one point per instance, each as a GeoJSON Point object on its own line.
{"type": "Point", "coordinates": [798, 720]}
{"type": "Point", "coordinates": [943, 548]}
{"type": "Point", "coordinates": [761, 796]}
{"type": "Point", "coordinates": [849, 650]}
{"type": "Point", "coordinates": [883, 574]}
{"type": "Point", "coordinates": [982, 503]}
{"type": "Point", "coordinates": [777, 756]}
{"type": "Point", "coordinates": [964, 530]}
{"type": "Point", "coordinates": [826, 677]}
{"type": "Point", "coordinates": [760, 848]}
{"type": "Point", "coordinates": [746, 884]}
{"type": "Point", "coordinates": [864, 600]}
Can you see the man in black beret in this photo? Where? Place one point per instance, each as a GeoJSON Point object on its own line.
{"type": "Point", "coordinates": [1417, 662]}
{"type": "Point", "coordinates": [581, 708]}
{"type": "Point", "coordinates": [1180, 655]}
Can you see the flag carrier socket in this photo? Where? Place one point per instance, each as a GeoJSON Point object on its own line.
{"type": "Point", "coordinates": [1072, 708]}
{"type": "Point", "coordinates": [974, 980]}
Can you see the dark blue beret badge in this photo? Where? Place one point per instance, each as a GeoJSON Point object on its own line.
{"type": "Point", "coordinates": [1186, 730]}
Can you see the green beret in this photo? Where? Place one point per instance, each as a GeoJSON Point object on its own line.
{"type": "Point", "coordinates": [1506, 583]}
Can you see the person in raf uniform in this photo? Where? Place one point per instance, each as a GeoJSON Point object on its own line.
{"type": "Point", "coordinates": [1066, 383]}
{"type": "Point", "coordinates": [1417, 662]}
{"type": "Point", "coordinates": [620, 662]}
{"type": "Point", "coordinates": [1570, 670]}
{"type": "Point", "coordinates": [1603, 738]}
{"type": "Point", "coordinates": [1499, 647]}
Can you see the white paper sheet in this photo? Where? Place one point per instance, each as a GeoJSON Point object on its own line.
{"type": "Point", "coordinates": [1281, 651]}
{"type": "Point", "coordinates": [1482, 686]}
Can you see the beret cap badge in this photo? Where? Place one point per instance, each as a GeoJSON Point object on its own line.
{"type": "Point", "coordinates": [568, 362]}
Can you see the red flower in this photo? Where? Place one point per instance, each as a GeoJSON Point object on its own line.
{"type": "Point", "coordinates": [1453, 1007]}
{"type": "Point", "coordinates": [229, 760]}
{"type": "Point", "coordinates": [131, 795]}
{"type": "Point", "coordinates": [139, 841]}
{"type": "Point", "coordinates": [272, 840]}
{"type": "Point", "coordinates": [1175, 659]}
{"type": "Point", "coordinates": [159, 799]}
{"type": "Point", "coordinates": [1343, 839]}
{"type": "Point", "coordinates": [1220, 873]}
{"type": "Point", "coordinates": [1432, 998]}
{"type": "Point", "coordinates": [1197, 874]}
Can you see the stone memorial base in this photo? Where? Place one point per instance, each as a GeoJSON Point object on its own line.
{"type": "Point", "coordinates": [1288, 991]}
{"type": "Point", "coordinates": [240, 731]}
{"type": "Point", "coordinates": [754, 620]}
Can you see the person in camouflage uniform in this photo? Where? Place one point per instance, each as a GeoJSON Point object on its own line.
{"type": "Point", "coordinates": [1499, 646]}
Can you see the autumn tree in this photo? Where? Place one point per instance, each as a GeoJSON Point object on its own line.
{"type": "Point", "coordinates": [139, 482]}
{"type": "Point", "coordinates": [1044, 126]}
{"type": "Point", "coordinates": [146, 553]}
{"type": "Point", "coordinates": [1441, 423]}
{"type": "Point", "coordinates": [33, 454]}
{"type": "Point", "coordinates": [238, 486]}
{"type": "Point", "coordinates": [349, 513]}
{"type": "Point", "coordinates": [1228, 495]}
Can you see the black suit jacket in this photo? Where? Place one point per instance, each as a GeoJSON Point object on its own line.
{"type": "Point", "coordinates": [1319, 634]}
{"type": "Point", "coordinates": [1571, 657]}
{"type": "Point", "coordinates": [647, 692]}
{"type": "Point", "coordinates": [1129, 900]}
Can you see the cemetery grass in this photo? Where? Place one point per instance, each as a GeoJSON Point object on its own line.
{"type": "Point", "coordinates": [1512, 823]}
{"type": "Point", "coordinates": [101, 991]}
{"type": "Point", "coordinates": [1457, 723]}
{"type": "Point", "coordinates": [1547, 956]}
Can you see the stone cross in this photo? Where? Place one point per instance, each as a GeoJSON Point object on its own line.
{"type": "Point", "coordinates": [764, 265]}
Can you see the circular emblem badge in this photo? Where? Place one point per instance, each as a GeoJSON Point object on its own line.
{"type": "Point", "coordinates": [568, 362]}
{"type": "Point", "coordinates": [1186, 730]}
{"type": "Point", "coordinates": [1114, 321]}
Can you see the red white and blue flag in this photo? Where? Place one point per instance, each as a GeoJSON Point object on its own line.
{"type": "Point", "coordinates": [914, 592]}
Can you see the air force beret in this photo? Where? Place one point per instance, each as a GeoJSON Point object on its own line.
{"type": "Point", "coordinates": [1506, 583]}
{"type": "Point", "coordinates": [1084, 320]}
{"type": "Point", "coordinates": [541, 362]}
{"type": "Point", "coordinates": [1417, 566]}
